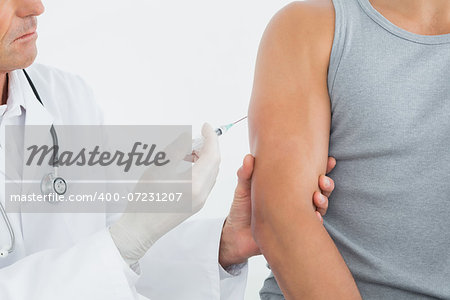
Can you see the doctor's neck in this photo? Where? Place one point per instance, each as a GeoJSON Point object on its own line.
{"type": "Point", "coordinates": [4, 87]}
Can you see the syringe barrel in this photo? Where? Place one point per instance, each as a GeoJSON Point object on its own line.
{"type": "Point", "coordinates": [197, 144]}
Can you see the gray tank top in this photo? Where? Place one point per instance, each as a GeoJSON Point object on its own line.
{"type": "Point", "coordinates": [390, 133]}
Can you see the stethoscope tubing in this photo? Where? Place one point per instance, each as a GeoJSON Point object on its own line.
{"type": "Point", "coordinates": [54, 163]}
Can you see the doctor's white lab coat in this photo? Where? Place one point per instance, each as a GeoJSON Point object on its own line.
{"type": "Point", "coordinates": [72, 256]}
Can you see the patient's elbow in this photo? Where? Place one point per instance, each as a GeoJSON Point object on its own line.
{"type": "Point", "coordinates": [265, 223]}
{"type": "Point", "coordinates": [271, 219]}
{"type": "Point", "coordinates": [261, 231]}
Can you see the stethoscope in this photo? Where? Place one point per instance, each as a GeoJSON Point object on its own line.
{"type": "Point", "coordinates": [50, 183]}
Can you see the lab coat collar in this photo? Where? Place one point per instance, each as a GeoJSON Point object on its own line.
{"type": "Point", "coordinates": [37, 114]}
{"type": "Point", "coordinates": [14, 102]}
{"type": "Point", "coordinates": [20, 94]}
{"type": "Point", "coordinates": [15, 96]}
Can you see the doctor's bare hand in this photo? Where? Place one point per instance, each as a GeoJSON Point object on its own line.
{"type": "Point", "coordinates": [237, 243]}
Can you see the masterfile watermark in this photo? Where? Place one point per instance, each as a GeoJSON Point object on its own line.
{"type": "Point", "coordinates": [101, 168]}
{"type": "Point", "coordinates": [94, 157]}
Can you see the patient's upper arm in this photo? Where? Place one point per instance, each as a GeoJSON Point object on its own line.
{"type": "Point", "coordinates": [289, 123]}
{"type": "Point", "coordinates": [289, 114]}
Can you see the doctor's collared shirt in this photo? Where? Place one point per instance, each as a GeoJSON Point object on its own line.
{"type": "Point", "coordinates": [12, 113]}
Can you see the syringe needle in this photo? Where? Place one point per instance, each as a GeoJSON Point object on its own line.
{"type": "Point", "coordinates": [239, 120]}
{"type": "Point", "coordinates": [197, 143]}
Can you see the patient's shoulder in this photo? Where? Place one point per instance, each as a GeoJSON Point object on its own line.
{"type": "Point", "coordinates": [305, 26]}
{"type": "Point", "coordinates": [309, 16]}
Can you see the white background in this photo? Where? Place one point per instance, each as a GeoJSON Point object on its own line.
{"type": "Point", "coordinates": [167, 62]}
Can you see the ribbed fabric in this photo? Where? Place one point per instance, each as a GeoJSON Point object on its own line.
{"type": "Point", "coordinates": [389, 214]}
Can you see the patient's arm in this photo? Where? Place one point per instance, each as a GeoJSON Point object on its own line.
{"type": "Point", "coordinates": [289, 124]}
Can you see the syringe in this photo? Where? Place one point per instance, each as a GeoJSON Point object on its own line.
{"type": "Point", "coordinates": [197, 143]}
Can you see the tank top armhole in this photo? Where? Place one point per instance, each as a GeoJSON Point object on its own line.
{"type": "Point", "coordinates": [337, 48]}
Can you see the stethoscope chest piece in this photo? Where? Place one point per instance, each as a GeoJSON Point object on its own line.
{"type": "Point", "coordinates": [4, 252]}
{"type": "Point", "coordinates": [52, 184]}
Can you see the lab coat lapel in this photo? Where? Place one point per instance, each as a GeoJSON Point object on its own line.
{"type": "Point", "coordinates": [36, 114]}
{"type": "Point", "coordinates": [40, 230]}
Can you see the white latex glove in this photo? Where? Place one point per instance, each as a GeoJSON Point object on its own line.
{"type": "Point", "coordinates": [135, 233]}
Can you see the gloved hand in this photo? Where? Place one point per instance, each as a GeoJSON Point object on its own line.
{"type": "Point", "coordinates": [135, 233]}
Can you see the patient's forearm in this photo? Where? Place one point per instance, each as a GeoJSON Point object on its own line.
{"type": "Point", "coordinates": [303, 257]}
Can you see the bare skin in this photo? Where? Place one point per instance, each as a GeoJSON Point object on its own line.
{"type": "Point", "coordinates": [290, 108]}
{"type": "Point", "coordinates": [4, 83]}
{"type": "Point", "coordinates": [237, 243]}
{"type": "Point", "coordinates": [18, 36]}
{"type": "Point", "coordinates": [417, 16]}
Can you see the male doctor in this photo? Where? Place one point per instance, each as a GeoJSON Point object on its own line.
{"type": "Point", "coordinates": [101, 256]}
